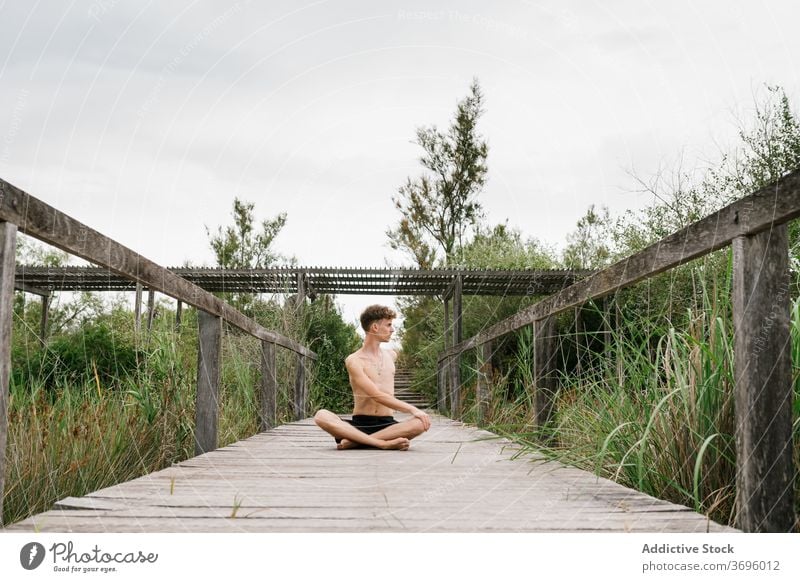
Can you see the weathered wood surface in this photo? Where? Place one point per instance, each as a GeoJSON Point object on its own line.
{"type": "Point", "coordinates": [209, 369]}
{"type": "Point", "coordinates": [42, 221]}
{"type": "Point", "coordinates": [8, 246]}
{"type": "Point", "coordinates": [773, 204]}
{"type": "Point", "coordinates": [764, 388]}
{"type": "Point", "coordinates": [291, 479]}
{"type": "Point", "coordinates": [268, 387]}
{"type": "Point", "coordinates": [544, 370]}
{"type": "Point", "coordinates": [441, 387]}
{"type": "Point", "coordinates": [300, 389]}
{"type": "Point", "coordinates": [483, 381]}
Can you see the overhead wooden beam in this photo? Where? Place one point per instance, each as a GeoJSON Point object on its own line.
{"type": "Point", "coordinates": [22, 286]}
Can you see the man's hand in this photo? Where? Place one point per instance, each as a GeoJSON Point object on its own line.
{"type": "Point", "coordinates": [426, 420]}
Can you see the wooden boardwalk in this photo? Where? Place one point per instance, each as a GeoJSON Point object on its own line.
{"type": "Point", "coordinates": [455, 478]}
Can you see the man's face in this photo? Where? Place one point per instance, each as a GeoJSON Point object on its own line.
{"type": "Point", "coordinates": [383, 329]}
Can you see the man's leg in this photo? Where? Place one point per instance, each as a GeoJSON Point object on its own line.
{"type": "Point", "coordinates": [338, 428]}
{"type": "Point", "coordinates": [407, 429]}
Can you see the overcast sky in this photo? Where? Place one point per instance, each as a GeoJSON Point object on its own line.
{"type": "Point", "coordinates": [145, 119]}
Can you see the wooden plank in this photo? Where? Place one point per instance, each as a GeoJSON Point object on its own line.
{"type": "Point", "coordinates": [772, 205]}
{"type": "Point", "coordinates": [44, 222]}
{"type": "Point", "coordinates": [209, 353]}
{"type": "Point", "coordinates": [8, 248]}
{"type": "Point", "coordinates": [483, 394]}
{"type": "Point", "coordinates": [764, 387]}
{"type": "Point", "coordinates": [269, 386]}
{"type": "Point", "coordinates": [284, 480]}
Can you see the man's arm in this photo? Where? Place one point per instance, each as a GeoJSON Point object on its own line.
{"type": "Point", "coordinates": [365, 386]}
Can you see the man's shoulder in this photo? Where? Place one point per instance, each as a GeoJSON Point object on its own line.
{"type": "Point", "coordinates": [352, 358]}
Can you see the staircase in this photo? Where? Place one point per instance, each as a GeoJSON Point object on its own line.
{"type": "Point", "coordinates": [403, 390]}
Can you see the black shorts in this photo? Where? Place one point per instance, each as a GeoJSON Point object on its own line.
{"type": "Point", "coordinates": [369, 424]}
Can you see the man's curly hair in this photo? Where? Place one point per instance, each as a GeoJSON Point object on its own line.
{"type": "Point", "coordinates": [375, 313]}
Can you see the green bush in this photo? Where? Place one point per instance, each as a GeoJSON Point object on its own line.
{"type": "Point", "coordinates": [95, 352]}
{"type": "Point", "coordinates": [332, 340]}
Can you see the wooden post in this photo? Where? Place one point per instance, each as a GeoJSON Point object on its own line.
{"type": "Point", "coordinates": [544, 364]}
{"type": "Point", "coordinates": [8, 246]}
{"type": "Point", "coordinates": [301, 288]}
{"type": "Point", "coordinates": [618, 344]}
{"type": "Point", "coordinates": [208, 375]}
{"type": "Point", "coordinates": [300, 389]}
{"type": "Point", "coordinates": [45, 316]}
{"type": "Point", "coordinates": [137, 309]}
{"type": "Point", "coordinates": [151, 307]}
{"type": "Point", "coordinates": [178, 314]}
{"type": "Point", "coordinates": [447, 330]}
{"type": "Point", "coordinates": [269, 385]}
{"type": "Point", "coordinates": [445, 371]}
{"type": "Point", "coordinates": [765, 476]}
{"type": "Point", "coordinates": [457, 310]}
{"type": "Point", "coordinates": [606, 326]}
{"type": "Point", "coordinates": [454, 373]}
{"type": "Point", "coordinates": [578, 339]}
{"type": "Point", "coordinates": [455, 361]}
{"type": "Point", "coordinates": [484, 378]}
{"type": "Point", "coordinates": [441, 387]}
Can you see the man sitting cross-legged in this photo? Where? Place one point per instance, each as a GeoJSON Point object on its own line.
{"type": "Point", "coordinates": [371, 371]}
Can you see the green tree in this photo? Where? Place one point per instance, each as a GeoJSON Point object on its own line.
{"type": "Point", "coordinates": [246, 245]}
{"type": "Point", "coordinates": [440, 206]}
{"type": "Point", "coordinates": [242, 246]}
{"type": "Point", "coordinates": [588, 246]}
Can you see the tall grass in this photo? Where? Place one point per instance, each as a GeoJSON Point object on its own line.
{"type": "Point", "coordinates": [70, 438]}
{"type": "Point", "coordinates": [655, 416]}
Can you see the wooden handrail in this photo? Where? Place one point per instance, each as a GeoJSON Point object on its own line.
{"type": "Point", "coordinates": [775, 204]}
{"type": "Point", "coordinates": [42, 221]}
{"type": "Point", "coordinates": [756, 228]}
{"type": "Point", "coordinates": [19, 211]}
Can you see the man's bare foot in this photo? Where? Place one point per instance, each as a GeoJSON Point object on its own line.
{"type": "Point", "coordinates": [399, 444]}
{"type": "Point", "coordinates": [346, 444]}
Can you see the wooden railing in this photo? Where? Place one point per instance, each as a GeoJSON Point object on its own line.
{"type": "Point", "coordinates": [21, 211]}
{"type": "Point", "coordinates": [756, 227]}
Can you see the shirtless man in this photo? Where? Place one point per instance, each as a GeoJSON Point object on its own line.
{"type": "Point", "coordinates": [371, 371]}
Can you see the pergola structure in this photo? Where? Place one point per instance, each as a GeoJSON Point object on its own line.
{"type": "Point", "coordinates": [449, 284]}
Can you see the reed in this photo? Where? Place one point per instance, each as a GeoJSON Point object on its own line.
{"type": "Point", "coordinates": [74, 438]}
{"type": "Point", "coordinates": [655, 414]}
